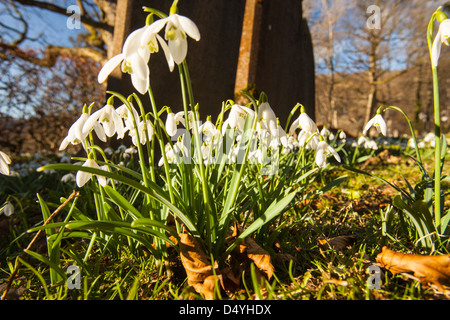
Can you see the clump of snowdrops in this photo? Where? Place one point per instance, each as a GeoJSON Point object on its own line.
{"type": "Point", "coordinates": [193, 177]}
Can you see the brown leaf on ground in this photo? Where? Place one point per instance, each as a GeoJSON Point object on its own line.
{"type": "Point", "coordinates": [338, 243]}
{"type": "Point", "coordinates": [428, 269]}
{"type": "Point", "coordinates": [384, 157]}
{"type": "Point", "coordinates": [197, 265]}
{"type": "Point", "coordinates": [13, 293]}
{"type": "Point", "coordinates": [258, 255]}
{"type": "Point", "coordinates": [248, 249]}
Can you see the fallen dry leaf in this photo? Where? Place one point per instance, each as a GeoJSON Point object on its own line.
{"type": "Point", "coordinates": [338, 243]}
{"type": "Point", "coordinates": [13, 293]}
{"type": "Point", "coordinates": [258, 255]}
{"type": "Point", "coordinates": [198, 267]}
{"type": "Point", "coordinates": [248, 249]}
{"type": "Point", "coordinates": [428, 269]}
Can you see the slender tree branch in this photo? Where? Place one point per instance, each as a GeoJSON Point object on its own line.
{"type": "Point", "coordinates": [51, 54]}
{"type": "Point", "coordinates": [54, 8]}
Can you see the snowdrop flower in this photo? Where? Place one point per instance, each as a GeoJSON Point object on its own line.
{"type": "Point", "coordinates": [208, 131]}
{"type": "Point", "coordinates": [170, 155]}
{"type": "Point", "coordinates": [282, 136]}
{"type": "Point", "coordinates": [109, 151]}
{"type": "Point", "coordinates": [76, 134]}
{"type": "Point", "coordinates": [131, 150]}
{"type": "Point", "coordinates": [133, 60]}
{"type": "Point", "coordinates": [278, 138]}
{"type": "Point", "coordinates": [82, 176]}
{"type": "Point", "coordinates": [266, 117]}
{"type": "Point", "coordinates": [442, 36]}
{"type": "Point", "coordinates": [109, 119]}
{"type": "Point", "coordinates": [121, 149]}
{"type": "Point", "coordinates": [7, 209]}
{"type": "Point", "coordinates": [309, 140]}
{"type": "Point", "coordinates": [173, 153]}
{"type": "Point", "coordinates": [325, 132]}
{"type": "Point", "coordinates": [70, 177]}
{"type": "Point", "coordinates": [362, 140]}
{"type": "Point", "coordinates": [378, 122]}
{"type": "Point", "coordinates": [305, 123]}
{"type": "Point", "coordinates": [322, 151]}
{"type": "Point", "coordinates": [429, 137]}
{"type": "Point", "coordinates": [149, 44]}
{"type": "Point", "coordinates": [177, 27]}
{"type": "Point", "coordinates": [5, 161]}
{"type": "Point", "coordinates": [143, 137]}
{"type": "Point", "coordinates": [171, 124]}
{"type": "Point", "coordinates": [236, 117]}
{"type": "Point", "coordinates": [127, 115]}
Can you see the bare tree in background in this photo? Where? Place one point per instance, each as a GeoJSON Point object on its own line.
{"type": "Point", "coordinates": [43, 86]}
{"type": "Point", "coordinates": [325, 17]}
{"type": "Point", "coordinates": [376, 45]}
{"type": "Point", "coordinates": [96, 17]}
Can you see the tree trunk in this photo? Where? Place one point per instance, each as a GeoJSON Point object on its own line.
{"type": "Point", "coordinates": [371, 102]}
{"type": "Point", "coordinates": [284, 60]}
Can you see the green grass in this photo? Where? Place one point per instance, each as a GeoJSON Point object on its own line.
{"type": "Point", "coordinates": [120, 272]}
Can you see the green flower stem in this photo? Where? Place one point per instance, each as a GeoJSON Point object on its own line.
{"type": "Point", "coordinates": [150, 149]}
{"type": "Point", "coordinates": [162, 147]}
{"type": "Point", "coordinates": [211, 218]}
{"type": "Point", "coordinates": [105, 159]}
{"type": "Point", "coordinates": [188, 166]}
{"type": "Point", "coordinates": [145, 177]}
{"type": "Point", "coordinates": [437, 152]}
{"type": "Point", "coordinates": [173, 8]}
{"type": "Point", "coordinates": [291, 114]}
{"type": "Point", "coordinates": [419, 157]}
{"type": "Point", "coordinates": [437, 128]}
{"type": "Point", "coordinates": [98, 202]}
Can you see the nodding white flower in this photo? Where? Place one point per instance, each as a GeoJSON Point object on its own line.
{"type": "Point", "coordinates": [325, 132]}
{"type": "Point", "coordinates": [208, 131]}
{"type": "Point", "coordinates": [322, 151]}
{"type": "Point", "coordinates": [70, 177]}
{"type": "Point", "coordinates": [134, 61]}
{"type": "Point", "coordinates": [179, 118]}
{"type": "Point", "coordinates": [109, 119]}
{"type": "Point", "coordinates": [378, 122]}
{"type": "Point", "coordinates": [305, 123]}
{"type": "Point", "coordinates": [278, 136]}
{"type": "Point", "coordinates": [143, 137]}
{"type": "Point", "coordinates": [127, 115]}
{"type": "Point", "coordinates": [173, 153]}
{"type": "Point", "coordinates": [7, 209]}
{"type": "Point", "coordinates": [308, 140]}
{"type": "Point", "coordinates": [5, 161]}
{"type": "Point", "coordinates": [442, 36]}
{"type": "Point", "coordinates": [171, 124]}
{"type": "Point", "coordinates": [136, 51]}
{"type": "Point", "coordinates": [77, 135]}
{"type": "Point", "coordinates": [267, 118]}
{"type": "Point", "coordinates": [236, 117]}
{"type": "Point", "coordinates": [82, 176]}
{"type": "Point", "coordinates": [149, 44]}
{"type": "Point", "coordinates": [342, 135]}
{"type": "Point", "coordinates": [177, 27]}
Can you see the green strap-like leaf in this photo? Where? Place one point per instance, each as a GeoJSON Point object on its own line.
{"type": "Point", "coordinates": [153, 190]}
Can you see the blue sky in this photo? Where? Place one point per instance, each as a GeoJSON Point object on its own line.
{"type": "Point", "coordinates": [46, 26]}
